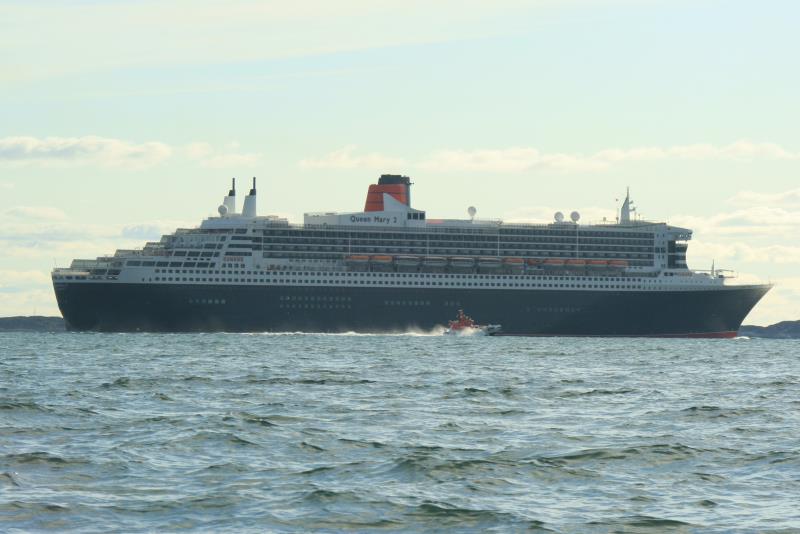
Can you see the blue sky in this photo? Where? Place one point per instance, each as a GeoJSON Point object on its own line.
{"type": "Point", "coordinates": [121, 120]}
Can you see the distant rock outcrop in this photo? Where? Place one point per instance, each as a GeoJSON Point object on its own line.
{"type": "Point", "coordinates": [782, 330]}
{"type": "Point", "coordinates": [32, 324]}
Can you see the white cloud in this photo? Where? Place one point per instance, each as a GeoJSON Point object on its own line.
{"type": "Point", "coordinates": [507, 160]}
{"type": "Point", "coordinates": [26, 292]}
{"type": "Point", "coordinates": [529, 159]}
{"type": "Point", "coordinates": [108, 152]}
{"type": "Point", "coordinates": [33, 301]}
{"type": "Point", "coordinates": [12, 278]}
{"type": "Point", "coordinates": [44, 213]}
{"type": "Point", "coordinates": [745, 223]}
{"type": "Point", "coordinates": [87, 150]}
{"type": "Point", "coordinates": [43, 241]}
{"type": "Point", "coordinates": [346, 158]}
{"type": "Point", "coordinates": [736, 253]}
{"type": "Point", "coordinates": [740, 150]}
{"type": "Point", "coordinates": [789, 198]}
{"type": "Point", "coordinates": [198, 150]}
{"type": "Point", "coordinates": [208, 156]}
{"type": "Point", "coordinates": [525, 159]}
{"type": "Point", "coordinates": [145, 232]}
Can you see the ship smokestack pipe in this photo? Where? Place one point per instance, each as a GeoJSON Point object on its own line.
{"type": "Point", "coordinates": [249, 209]}
{"type": "Point", "coordinates": [398, 186]}
{"type": "Point", "coordinates": [230, 200]}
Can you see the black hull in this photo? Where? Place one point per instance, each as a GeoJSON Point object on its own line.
{"type": "Point", "coordinates": [117, 307]}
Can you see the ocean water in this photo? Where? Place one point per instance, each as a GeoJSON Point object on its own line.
{"type": "Point", "coordinates": [408, 433]}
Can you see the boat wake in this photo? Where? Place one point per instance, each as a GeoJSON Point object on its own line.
{"type": "Point", "coordinates": [436, 331]}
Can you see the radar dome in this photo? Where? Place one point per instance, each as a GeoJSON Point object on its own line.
{"type": "Point", "coordinates": [472, 210]}
{"type": "Point", "coordinates": [575, 216]}
{"type": "Point", "coordinates": [223, 210]}
{"type": "Point", "coordinates": [559, 217]}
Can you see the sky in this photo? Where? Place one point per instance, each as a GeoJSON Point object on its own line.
{"type": "Point", "coordinates": [123, 120]}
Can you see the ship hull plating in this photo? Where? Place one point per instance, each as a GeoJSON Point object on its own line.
{"type": "Point", "coordinates": [118, 307]}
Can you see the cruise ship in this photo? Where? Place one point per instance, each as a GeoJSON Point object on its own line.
{"type": "Point", "coordinates": [391, 268]}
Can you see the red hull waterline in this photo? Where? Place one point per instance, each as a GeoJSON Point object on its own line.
{"type": "Point", "coordinates": [711, 335]}
{"type": "Point", "coordinates": [704, 335]}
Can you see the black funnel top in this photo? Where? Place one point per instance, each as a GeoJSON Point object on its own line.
{"type": "Point", "coordinates": [253, 191]}
{"type": "Point", "coordinates": [390, 179]}
{"type": "Point", "coordinates": [232, 192]}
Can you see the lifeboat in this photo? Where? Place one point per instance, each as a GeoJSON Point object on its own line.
{"type": "Point", "coordinates": [434, 262]}
{"type": "Point", "coordinates": [597, 265]}
{"type": "Point", "coordinates": [553, 263]}
{"type": "Point", "coordinates": [575, 264]}
{"type": "Point", "coordinates": [357, 263]}
{"type": "Point", "coordinates": [618, 264]}
{"type": "Point", "coordinates": [382, 263]}
{"type": "Point", "coordinates": [462, 263]}
{"type": "Point", "coordinates": [382, 260]}
{"type": "Point", "coordinates": [489, 263]}
{"type": "Point", "coordinates": [533, 265]}
{"type": "Point", "coordinates": [515, 265]}
{"type": "Point", "coordinates": [407, 263]}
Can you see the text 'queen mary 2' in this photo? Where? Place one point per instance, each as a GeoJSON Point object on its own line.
{"type": "Point", "coordinates": [390, 268]}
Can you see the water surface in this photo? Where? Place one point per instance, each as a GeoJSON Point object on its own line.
{"type": "Point", "coordinates": [291, 433]}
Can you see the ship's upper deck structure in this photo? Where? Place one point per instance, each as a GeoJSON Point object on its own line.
{"type": "Point", "coordinates": [390, 235]}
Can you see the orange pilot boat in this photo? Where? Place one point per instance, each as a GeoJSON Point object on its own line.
{"type": "Point", "coordinates": [464, 325]}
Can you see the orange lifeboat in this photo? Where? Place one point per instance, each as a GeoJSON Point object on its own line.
{"type": "Point", "coordinates": [534, 262]}
{"type": "Point", "coordinates": [382, 263]}
{"type": "Point", "coordinates": [553, 263]}
{"type": "Point", "coordinates": [619, 264]}
{"type": "Point", "coordinates": [357, 262]}
{"type": "Point", "coordinates": [383, 260]}
{"type": "Point", "coordinates": [576, 263]}
{"type": "Point", "coordinates": [514, 265]}
{"type": "Point", "coordinates": [597, 264]}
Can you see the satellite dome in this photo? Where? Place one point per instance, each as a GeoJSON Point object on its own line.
{"type": "Point", "coordinates": [223, 210]}
{"type": "Point", "coordinates": [472, 210]}
{"type": "Point", "coordinates": [559, 217]}
{"type": "Point", "coordinates": [575, 216]}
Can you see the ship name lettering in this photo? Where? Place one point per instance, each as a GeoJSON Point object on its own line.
{"type": "Point", "coordinates": [362, 219]}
